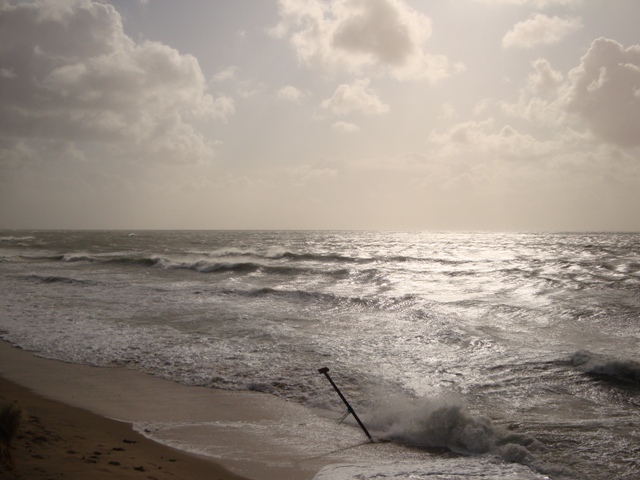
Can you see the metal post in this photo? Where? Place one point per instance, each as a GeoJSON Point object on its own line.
{"type": "Point", "coordinates": [350, 409]}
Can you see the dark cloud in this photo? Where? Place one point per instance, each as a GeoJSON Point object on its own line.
{"type": "Point", "coordinates": [376, 30]}
{"type": "Point", "coordinates": [355, 35]}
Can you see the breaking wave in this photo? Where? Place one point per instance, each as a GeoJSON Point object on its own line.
{"type": "Point", "coordinates": [17, 239]}
{"type": "Point", "coordinates": [285, 255]}
{"type": "Point", "coordinates": [626, 370]}
{"type": "Point", "coordinates": [321, 257]}
{"type": "Point", "coordinates": [199, 265]}
{"type": "Point", "coordinates": [445, 423]}
{"type": "Point", "coordinates": [206, 266]}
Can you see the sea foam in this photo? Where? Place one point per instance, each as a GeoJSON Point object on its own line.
{"type": "Point", "coordinates": [432, 469]}
{"type": "Point", "coordinates": [446, 423]}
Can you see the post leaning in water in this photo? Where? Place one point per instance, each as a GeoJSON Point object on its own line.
{"type": "Point", "coordinates": [325, 371]}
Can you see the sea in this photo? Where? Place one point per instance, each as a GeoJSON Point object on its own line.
{"type": "Point", "coordinates": [518, 347]}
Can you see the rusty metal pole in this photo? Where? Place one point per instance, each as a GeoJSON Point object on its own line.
{"type": "Point", "coordinates": [350, 409]}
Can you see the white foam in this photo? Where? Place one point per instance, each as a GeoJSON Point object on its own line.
{"type": "Point", "coordinates": [431, 469]}
{"type": "Point", "coordinates": [445, 423]}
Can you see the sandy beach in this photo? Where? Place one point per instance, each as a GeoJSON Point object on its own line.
{"type": "Point", "coordinates": [70, 432]}
{"type": "Point", "coordinates": [73, 408]}
{"type": "Point", "coordinates": [60, 441]}
{"type": "Point", "coordinates": [80, 419]}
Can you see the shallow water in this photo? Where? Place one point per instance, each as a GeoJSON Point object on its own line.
{"type": "Point", "coordinates": [520, 347]}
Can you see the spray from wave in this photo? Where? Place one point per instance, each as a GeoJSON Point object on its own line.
{"type": "Point", "coordinates": [445, 423]}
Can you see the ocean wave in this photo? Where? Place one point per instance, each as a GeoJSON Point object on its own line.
{"type": "Point", "coordinates": [321, 257]}
{"type": "Point", "coordinates": [17, 239]}
{"type": "Point", "coordinates": [332, 273]}
{"type": "Point", "coordinates": [226, 252]}
{"type": "Point", "coordinates": [59, 279]}
{"type": "Point", "coordinates": [329, 300]}
{"type": "Point", "coordinates": [56, 258]}
{"type": "Point", "coordinates": [144, 261]}
{"type": "Point", "coordinates": [626, 370]}
{"type": "Point", "coordinates": [296, 294]}
{"type": "Point", "coordinates": [231, 259]}
{"type": "Point", "coordinates": [283, 255]}
{"type": "Point", "coordinates": [445, 423]}
{"type": "Point", "coordinates": [78, 257]}
{"type": "Point", "coordinates": [207, 266]}
{"type": "Point", "coordinates": [201, 265]}
{"type": "Point", "coordinates": [122, 259]}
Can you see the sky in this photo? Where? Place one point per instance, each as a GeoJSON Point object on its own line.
{"type": "Point", "coordinates": [508, 115]}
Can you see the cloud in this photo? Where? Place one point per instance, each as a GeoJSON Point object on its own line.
{"type": "Point", "coordinates": [545, 81]}
{"type": "Point", "coordinates": [604, 91]}
{"type": "Point", "coordinates": [244, 87]}
{"type": "Point", "coordinates": [228, 73]}
{"type": "Point", "coordinates": [599, 100]}
{"type": "Point", "coordinates": [538, 100]}
{"type": "Point", "coordinates": [448, 111]}
{"type": "Point", "coordinates": [534, 3]}
{"type": "Point", "coordinates": [72, 74]}
{"type": "Point", "coordinates": [345, 127]}
{"type": "Point", "coordinates": [290, 93]}
{"type": "Point", "coordinates": [480, 138]}
{"type": "Point", "coordinates": [303, 175]}
{"type": "Point", "coordinates": [540, 30]}
{"type": "Point", "coordinates": [355, 98]}
{"type": "Point", "coordinates": [386, 36]}
{"type": "Point", "coordinates": [249, 87]}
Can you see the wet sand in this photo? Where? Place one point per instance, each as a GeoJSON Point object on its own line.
{"type": "Point", "coordinates": [256, 436]}
{"type": "Point", "coordinates": [79, 424]}
{"type": "Point", "coordinates": [57, 441]}
{"type": "Point", "coordinates": [78, 393]}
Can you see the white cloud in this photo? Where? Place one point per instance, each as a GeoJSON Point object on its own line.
{"type": "Point", "coordinates": [345, 127]}
{"type": "Point", "coordinates": [540, 30]}
{"type": "Point", "coordinates": [76, 76]}
{"type": "Point", "coordinates": [249, 87]}
{"type": "Point", "coordinates": [499, 169]}
{"type": "Point", "coordinates": [386, 36]}
{"type": "Point", "coordinates": [598, 100]}
{"type": "Point", "coordinates": [448, 111]}
{"type": "Point", "coordinates": [290, 93]}
{"type": "Point", "coordinates": [355, 98]}
{"type": "Point", "coordinates": [228, 73]}
{"type": "Point", "coordinates": [545, 81]}
{"type": "Point", "coordinates": [7, 73]}
{"type": "Point", "coordinates": [244, 87]}
{"type": "Point", "coordinates": [481, 138]}
{"type": "Point", "coordinates": [534, 3]}
{"type": "Point", "coordinates": [538, 100]}
{"type": "Point", "coordinates": [304, 175]}
{"type": "Point", "coordinates": [603, 92]}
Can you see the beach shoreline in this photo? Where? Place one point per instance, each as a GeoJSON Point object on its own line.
{"type": "Point", "coordinates": [137, 401]}
{"type": "Point", "coordinates": [94, 423]}
{"type": "Point", "coordinates": [60, 441]}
